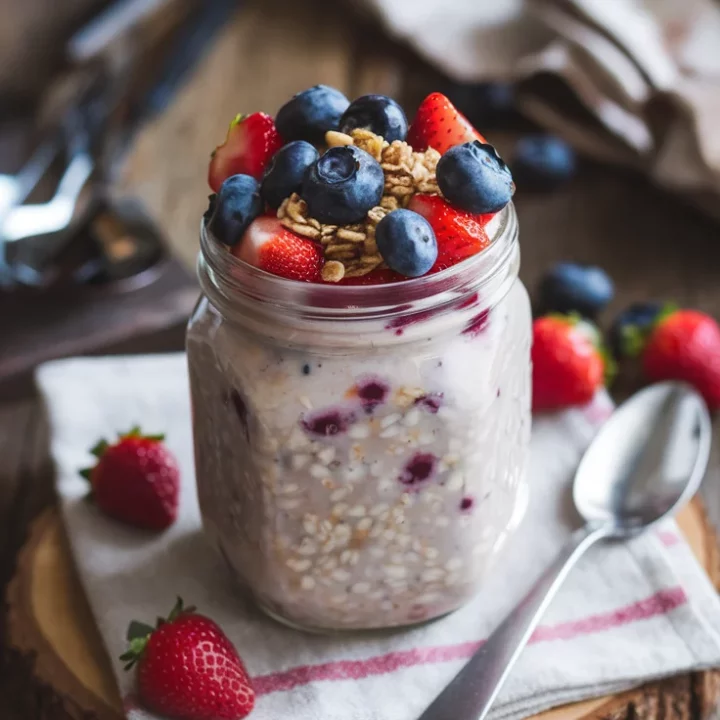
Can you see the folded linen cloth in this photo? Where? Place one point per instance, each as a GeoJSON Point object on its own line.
{"type": "Point", "coordinates": [629, 612]}
{"type": "Point", "coordinates": [631, 82]}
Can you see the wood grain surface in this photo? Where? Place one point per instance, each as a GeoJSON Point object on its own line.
{"type": "Point", "coordinates": [652, 245]}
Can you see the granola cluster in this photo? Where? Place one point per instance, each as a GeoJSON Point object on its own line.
{"type": "Point", "coordinates": [350, 250]}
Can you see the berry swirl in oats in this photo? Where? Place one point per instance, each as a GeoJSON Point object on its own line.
{"type": "Point", "coordinates": [359, 361]}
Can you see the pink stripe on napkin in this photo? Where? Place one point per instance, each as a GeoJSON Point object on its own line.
{"type": "Point", "coordinates": [661, 603]}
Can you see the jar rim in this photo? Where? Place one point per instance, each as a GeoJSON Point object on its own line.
{"type": "Point", "coordinates": [221, 272]}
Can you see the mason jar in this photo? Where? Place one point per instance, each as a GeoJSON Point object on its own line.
{"type": "Point", "coordinates": [360, 450]}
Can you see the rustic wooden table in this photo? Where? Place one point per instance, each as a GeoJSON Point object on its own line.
{"type": "Point", "coordinates": [651, 244]}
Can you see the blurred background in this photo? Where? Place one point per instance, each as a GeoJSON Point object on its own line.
{"type": "Point", "coordinates": [607, 110]}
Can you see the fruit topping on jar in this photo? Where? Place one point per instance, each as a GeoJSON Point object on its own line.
{"type": "Point", "coordinates": [251, 142]}
{"type": "Point", "coordinates": [271, 247]}
{"type": "Point", "coordinates": [459, 234]}
{"type": "Point", "coordinates": [379, 114]}
{"type": "Point", "coordinates": [311, 113]}
{"type": "Point", "coordinates": [233, 209]}
{"type": "Point", "coordinates": [284, 175]}
{"type": "Point", "coordinates": [342, 185]}
{"type": "Point", "coordinates": [474, 178]}
{"type": "Point", "coordinates": [440, 125]}
{"type": "Point", "coordinates": [358, 197]}
{"type": "Point", "coordinates": [407, 242]}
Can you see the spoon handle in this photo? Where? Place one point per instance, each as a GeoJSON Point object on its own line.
{"type": "Point", "coordinates": [473, 690]}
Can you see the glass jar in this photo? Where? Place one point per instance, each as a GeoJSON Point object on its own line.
{"type": "Point", "coordinates": [360, 451]}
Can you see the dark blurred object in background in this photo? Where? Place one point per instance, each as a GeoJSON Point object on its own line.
{"type": "Point", "coordinates": [32, 45]}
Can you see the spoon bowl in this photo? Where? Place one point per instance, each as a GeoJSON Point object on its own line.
{"type": "Point", "coordinates": [647, 461]}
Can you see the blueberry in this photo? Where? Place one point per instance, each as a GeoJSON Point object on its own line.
{"type": "Point", "coordinates": [473, 177]}
{"type": "Point", "coordinates": [231, 211]}
{"type": "Point", "coordinates": [630, 325]}
{"type": "Point", "coordinates": [284, 174]}
{"type": "Point", "coordinates": [311, 113]}
{"type": "Point", "coordinates": [542, 162]}
{"type": "Point", "coordinates": [568, 287]}
{"type": "Point", "coordinates": [377, 113]}
{"type": "Point", "coordinates": [343, 185]}
{"type": "Point", "coordinates": [406, 242]}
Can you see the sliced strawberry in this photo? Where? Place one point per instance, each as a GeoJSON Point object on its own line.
{"type": "Point", "coordinates": [250, 143]}
{"type": "Point", "coordinates": [271, 247]}
{"type": "Point", "coordinates": [460, 235]}
{"type": "Point", "coordinates": [440, 125]}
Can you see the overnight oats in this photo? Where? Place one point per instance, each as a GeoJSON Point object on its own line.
{"type": "Point", "coordinates": [359, 361]}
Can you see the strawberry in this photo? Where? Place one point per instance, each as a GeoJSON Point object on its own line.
{"type": "Point", "coordinates": [250, 143]}
{"type": "Point", "coordinates": [188, 669]}
{"type": "Point", "coordinates": [136, 480]}
{"type": "Point", "coordinates": [568, 363]}
{"type": "Point", "coordinates": [440, 125]}
{"type": "Point", "coordinates": [273, 248]}
{"type": "Point", "coordinates": [459, 234]}
{"type": "Point", "coordinates": [685, 345]}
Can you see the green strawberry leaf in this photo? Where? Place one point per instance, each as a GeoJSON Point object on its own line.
{"type": "Point", "coordinates": [611, 368]}
{"type": "Point", "coordinates": [100, 448]}
{"type": "Point", "coordinates": [632, 341]}
{"type": "Point", "coordinates": [138, 630]}
{"type": "Point", "coordinates": [86, 473]}
{"type": "Point", "coordinates": [177, 610]}
{"type": "Point", "coordinates": [134, 651]}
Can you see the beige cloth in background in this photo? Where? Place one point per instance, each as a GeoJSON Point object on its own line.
{"type": "Point", "coordinates": [630, 82]}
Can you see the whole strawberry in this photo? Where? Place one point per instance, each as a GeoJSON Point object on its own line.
{"type": "Point", "coordinates": [188, 669]}
{"type": "Point", "coordinates": [685, 345]}
{"type": "Point", "coordinates": [569, 364]}
{"type": "Point", "coordinates": [136, 480]}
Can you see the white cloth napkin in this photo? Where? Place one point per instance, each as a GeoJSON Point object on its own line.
{"type": "Point", "coordinates": [630, 82]}
{"type": "Point", "coordinates": [627, 614]}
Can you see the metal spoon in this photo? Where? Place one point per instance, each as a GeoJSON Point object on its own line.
{"type": "Point", "coordinates": [644, 464]}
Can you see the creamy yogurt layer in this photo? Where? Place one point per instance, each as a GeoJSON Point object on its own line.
{"type": "Point", "coordinates": [366, 489]}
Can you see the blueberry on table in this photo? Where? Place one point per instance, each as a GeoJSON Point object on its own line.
{"type": "Point", "coordinates": [406, 242]}
{"type": "Point", "coordinates": [377, 113]}
{"type": "Point", "coordinates": [284, 174]}
{"type": "Point", "coordinates": [343, 185]}
{"type": "Point", "coordinates": [235, 206]}
{"type": "Point", "coordinates": [631, 325]}
{"type": "Point", "coordinates": [569, 287]}
{"type": "Point", "coordinates": [474, 178]}
{"type": "Point", "coordinates": [311, 113]}
{"type": "Point", "coordinates": [542, 162]}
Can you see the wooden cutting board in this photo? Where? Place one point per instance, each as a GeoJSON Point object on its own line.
{"type": "Point", "coordinates": [50, 621]}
